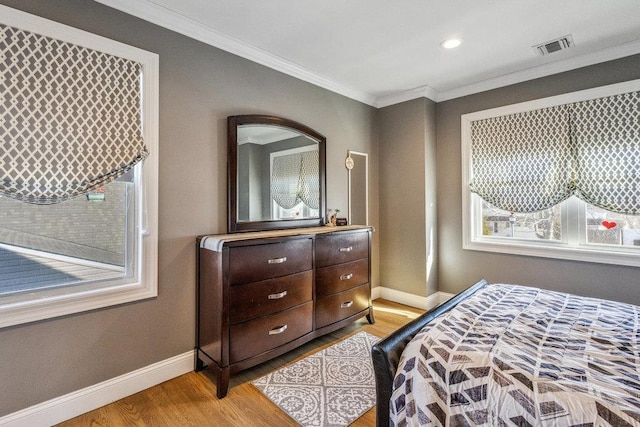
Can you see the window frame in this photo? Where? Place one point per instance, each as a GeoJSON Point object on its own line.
{"type": "Point", "coordinates": [572, 247]}
{"type": "Point", "coordinates": [69, 300]}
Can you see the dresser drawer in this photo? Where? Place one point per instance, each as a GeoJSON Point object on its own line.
{"type": "Point", "coordinates": [342, 305]}
{"type": "Point", "coordinates": [258, 299]}
{"type": "Point", "coordinates": [340, 248]}
{"type": "Point", "coordinates": [254, 337]}
{"type": "Point", "coordinates": [338, 278]}
{"type": "Point", "coordinates": [253, 263]}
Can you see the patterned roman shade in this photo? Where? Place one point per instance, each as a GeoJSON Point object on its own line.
{"type": "Point", "coordinates": [295, 179]}
{"type": "Point", "coordinates": [70, 117]}
{"type": "Point", "coordinates": [530, 161]}
{"type": "Point", "coordinates": [606, 138]}
{"type": "Point", "coordinates": [522, 162]}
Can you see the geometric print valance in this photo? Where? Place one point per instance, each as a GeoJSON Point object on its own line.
{"type": "Point", "coordinates": [295, 179]}
{"type": "Point", "coordinates": [530, 161]}
{"type": "Point", "coordinates": [70, 117]}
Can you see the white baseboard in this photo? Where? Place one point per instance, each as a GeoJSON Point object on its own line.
{"type": "Point", "coordinates": [79, 402]}
{"type": "Point", "coordinates": [445, 296]}
{"type": "Point", "coordinates": [425, 303]}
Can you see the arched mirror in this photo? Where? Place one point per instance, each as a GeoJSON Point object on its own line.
{"type": "Point", "coordinates": [276, 174]}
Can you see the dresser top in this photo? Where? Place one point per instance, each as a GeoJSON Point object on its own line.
{"type": "Point", "coordinates": [215, 242]}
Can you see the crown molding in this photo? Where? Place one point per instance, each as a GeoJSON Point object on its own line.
{"type": "Point", "coordinates": [603, 55]}
{"type": "Point", "coordinates": [568, 64]}
{"type": "Point", "coordinates": [171, 20]}
{"type": "Point", "coordinates": [396, 98]}
{"type": "Point", "coordinates": [181, 24]}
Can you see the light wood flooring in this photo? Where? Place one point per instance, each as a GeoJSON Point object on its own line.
{"type": "Point", "coordinates": [190, 400]}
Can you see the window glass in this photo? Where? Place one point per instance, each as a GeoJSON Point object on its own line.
{"type": "Point", "coordinates": [609, 228]}
{"type": "Point", "coordinates": [542, 225]}
{"type": "Point", "coordinates": [301, 210]}
{"type": "Point", "coordinates": [85, 239]}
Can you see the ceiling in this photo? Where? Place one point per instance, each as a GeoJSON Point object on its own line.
{"type": "Point", "coordinates": [382, 52]}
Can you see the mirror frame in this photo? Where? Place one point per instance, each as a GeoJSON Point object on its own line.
{"type": "Point", "coordinates": [235, 226]}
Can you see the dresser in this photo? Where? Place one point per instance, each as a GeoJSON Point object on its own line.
{"type": "Point", "coordinates": [262, 294]}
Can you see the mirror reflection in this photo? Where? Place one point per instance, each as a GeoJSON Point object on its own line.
{"type": "Point", "coordinates": [278, 174]}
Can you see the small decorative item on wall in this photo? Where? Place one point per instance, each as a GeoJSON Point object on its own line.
{"type": "Point", "coordinates": [349, 163]}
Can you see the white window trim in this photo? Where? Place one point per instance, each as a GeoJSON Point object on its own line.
{"type": "Point", "coordinates": [471, 240]}
{"type": "Point", "coordinates": [80, 299]}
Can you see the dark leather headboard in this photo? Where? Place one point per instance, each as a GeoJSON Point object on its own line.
{"type": "Point", "coordinates": [386, 353]}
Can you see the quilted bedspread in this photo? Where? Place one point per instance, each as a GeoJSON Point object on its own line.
{"type": "Point", "coordinates": [519, 356]}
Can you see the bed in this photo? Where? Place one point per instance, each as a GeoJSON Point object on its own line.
{"type": "Point", "coordinates": [512, 355]}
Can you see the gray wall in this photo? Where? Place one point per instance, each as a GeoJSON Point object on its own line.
{"type": "Point", "coordinates": [250, 191]}
{"type": "Point", "coordinates": [408, 249]}
{"type": "Point", "coordinates": [199, 87]}
{"type": "Point", "coordinates": [459, 268]}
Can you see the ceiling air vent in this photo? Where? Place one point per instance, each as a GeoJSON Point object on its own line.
{"type": "Point", "coordinates": [561, 43]}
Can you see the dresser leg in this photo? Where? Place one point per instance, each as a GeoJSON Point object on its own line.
{"type": "Point", "coordinates": [199, 365]}
{"type": "Point", "coordinates": [370, 318]}
{"type": "Point", "coordinates": [223, 382]}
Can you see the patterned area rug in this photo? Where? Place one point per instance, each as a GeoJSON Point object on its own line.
{"type": "Point", "coordinates": [330, 388]}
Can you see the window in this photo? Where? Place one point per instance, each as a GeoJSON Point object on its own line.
{"type": "Point", "coordinates": [556, 177]}
{"type": "Point", "coordinates": [98, 246]}
{"type": "Point", "coordinates": [295, 186]}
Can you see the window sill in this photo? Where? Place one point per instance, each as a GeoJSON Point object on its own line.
{"type": "Point", "coordinates": [15, 312]}
{"type": "Point", "coordinates": [558, 251]}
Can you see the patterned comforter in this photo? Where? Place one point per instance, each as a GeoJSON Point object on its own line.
{"type": "Point", "coordinates": [519, 356]}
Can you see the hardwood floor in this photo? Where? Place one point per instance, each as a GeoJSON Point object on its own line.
{"type": "Point", "coordinates": [190, 400]}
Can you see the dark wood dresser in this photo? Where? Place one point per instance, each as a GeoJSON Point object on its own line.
{"type": "Point", "coordinates": [262, 294]}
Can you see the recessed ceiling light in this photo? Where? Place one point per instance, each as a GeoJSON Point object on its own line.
{"type": "Point", "coordinates": [451, 43]}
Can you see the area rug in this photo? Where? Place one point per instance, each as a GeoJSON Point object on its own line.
{"type": "Point", "coordinates": [330, 388]}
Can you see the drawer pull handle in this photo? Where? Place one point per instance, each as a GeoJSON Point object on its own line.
{"type": "Point", "coordinates": [278, 295]}
{"type": "Point", "coordinates": [346, 304]}
{"type": "Point", "coordinates": [277, 260]}
{"type": "Point", "coordinates": [279, 330]}
{"type": "Point", "coordinates": [346, 276]}
{"type": "Point", "coordinates": [347, 249]}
